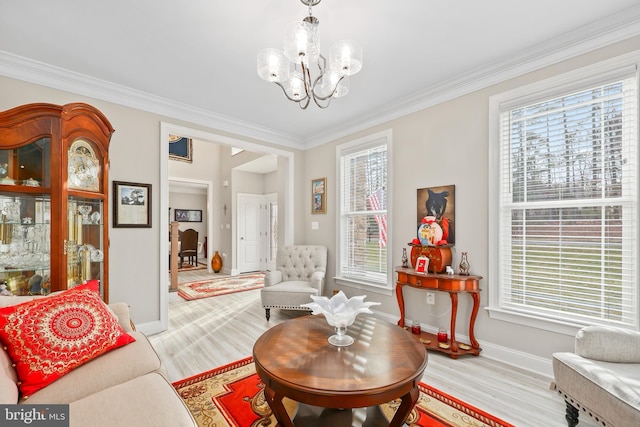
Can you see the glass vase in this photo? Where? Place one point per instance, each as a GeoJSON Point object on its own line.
{"type": "Point", "coordinates": [341, 339]}
{"type": "Point", "coordinates": [464, 264]}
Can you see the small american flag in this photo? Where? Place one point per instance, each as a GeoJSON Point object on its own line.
{"type": "Point", "coordinates": [375, 205]}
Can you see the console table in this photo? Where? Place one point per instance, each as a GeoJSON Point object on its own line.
{"type": "Point", "coordinates": [453, 284]}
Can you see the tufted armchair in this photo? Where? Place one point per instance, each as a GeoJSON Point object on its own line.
{"type": "Point", "coordinates": [299, 274]}
{"type": "Point", "coordinates": [602, 377]}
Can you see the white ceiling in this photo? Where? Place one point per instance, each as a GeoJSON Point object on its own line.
{"type": "Point", "coordinates": [199, 57]}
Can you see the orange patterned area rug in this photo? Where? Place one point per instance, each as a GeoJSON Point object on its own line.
{"type": "Point", "coordinates": [232, 396]}
{"type": "Point", "coordinates": [189, 267]}
{"type": "Point", "coordinates": [221, 286]}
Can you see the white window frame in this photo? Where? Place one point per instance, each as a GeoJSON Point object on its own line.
{"type": "Point", "coordinates": [573, 81]}
{"type": "Point", "coordinates": [380, 138]}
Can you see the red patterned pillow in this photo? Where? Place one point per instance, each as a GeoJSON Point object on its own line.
{"type": "Point", "coordinates": [48, 337]}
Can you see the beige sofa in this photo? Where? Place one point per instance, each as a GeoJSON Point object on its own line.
{"type": "Point", "coordinates": [602, 378]}
{"type": "Point", "coordinates": [123, 387]}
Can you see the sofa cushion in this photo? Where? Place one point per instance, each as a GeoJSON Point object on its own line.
{"type": "Point", "coordinates": [112, 368]}
{"type": "Point", "coordinates": [8, 379]}
{"type": "Point", "coordinates": [148, 400]}
{"type": "Point", "coordinates": [48, 337]}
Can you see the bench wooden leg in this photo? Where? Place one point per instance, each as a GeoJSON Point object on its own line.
{"type": "Point", "coordinates": [572, 415]}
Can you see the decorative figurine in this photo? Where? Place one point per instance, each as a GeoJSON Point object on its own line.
{"type": "Point", "coordinates": [405, 260]}
{"type": "Point", "coordinates": [464, 264]}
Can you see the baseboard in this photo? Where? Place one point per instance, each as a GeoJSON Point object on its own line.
{"type": "Point", "coordinates": [518, 359]}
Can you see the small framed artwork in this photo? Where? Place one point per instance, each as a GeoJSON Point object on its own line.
{"type": "Point", "coordinates": [319, 196]}
{"type": "Point", "coordinates": [422, 264]}
{"type": "Point", "coordinates": [131, 205]}
{"type": "Point", "coordinates": [188, 215]}
{"type": "Point", "coordinates": [180, 148]}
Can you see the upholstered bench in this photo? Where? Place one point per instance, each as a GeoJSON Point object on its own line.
{"type": "Point", "coordinates": [602, 377]}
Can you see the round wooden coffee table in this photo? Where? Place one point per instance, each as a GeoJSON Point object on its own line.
{"type": "Point", "coordinates": [295, 360]}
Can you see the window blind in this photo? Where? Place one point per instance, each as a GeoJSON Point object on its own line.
{"type": "Point", "coordinates": [569, 205]}
{"type": "Point", "coordinates": [363, 213]}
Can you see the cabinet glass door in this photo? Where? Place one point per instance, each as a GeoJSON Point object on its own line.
{"type": "Point", "coordinates": [85, 242]}
{"type": "Point", "coordinates": [25, 219]}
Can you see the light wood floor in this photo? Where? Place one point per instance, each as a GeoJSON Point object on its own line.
{"type": "Point", "coordinates": [207, 333]}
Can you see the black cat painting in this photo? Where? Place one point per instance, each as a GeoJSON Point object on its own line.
{"type": "Point", "coordinates": [438, 202]}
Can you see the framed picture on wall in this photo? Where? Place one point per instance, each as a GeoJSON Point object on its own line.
{"type": "Point", "coordinates": [188, 215]}
{"type": "Point", "coordinates": [131, 205]}
{"type": "Point", "coordinates": [180, 148]}
{"type": "Point", "coordinates": [319, 196]}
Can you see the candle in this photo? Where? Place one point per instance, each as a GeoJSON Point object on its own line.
{"type": "Point", "coordinates": [79, 229]}
{"type": "Point", "coordinates": [415, 327]}
{"type": "Point", "coordinates": [86, 264]}
{"type": "Point", "coordinates": [442, 335]}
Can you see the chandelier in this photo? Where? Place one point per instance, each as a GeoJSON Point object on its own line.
{"type": "Point", "coordinates": [291, 68]}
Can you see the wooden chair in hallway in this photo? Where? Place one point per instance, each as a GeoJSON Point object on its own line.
{"type": "Point", "coordinates": [189, 247]}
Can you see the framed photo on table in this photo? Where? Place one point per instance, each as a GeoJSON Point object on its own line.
{"type": "Point", "coordinates": [131, 205]}
{"type": "Point", "coordinates": [319, 196]}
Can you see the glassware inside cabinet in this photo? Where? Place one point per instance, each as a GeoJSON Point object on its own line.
{"type": "Point", "coordinates": [27, 165]}
{"type": "Point", "coordinates": [85, 241]}
{"type": "Point", "coordinates": [25, 245]}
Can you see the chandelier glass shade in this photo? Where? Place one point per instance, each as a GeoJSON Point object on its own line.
{"type": "Point", "coordinates": [291, 68]}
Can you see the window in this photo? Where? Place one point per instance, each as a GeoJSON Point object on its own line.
{"type": "Point", "coordinates": [363, 235]}
{"type": "Point", "coordinates": [565, 199]}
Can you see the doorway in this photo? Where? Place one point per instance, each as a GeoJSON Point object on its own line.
{"type": "Point", "coordinates": [285, 211]}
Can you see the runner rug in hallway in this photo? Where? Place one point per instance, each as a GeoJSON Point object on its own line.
{"type": "Point", "coordinates": [232, 396]}
{"type": "Point", "coordinates": [220, 286]}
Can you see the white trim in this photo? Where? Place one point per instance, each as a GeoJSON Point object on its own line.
{"type": "Point", "coordinates": [31, 71]}
{"type": "Point", "coordinates": [599, 34]}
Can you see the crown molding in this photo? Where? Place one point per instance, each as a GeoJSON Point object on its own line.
{"type": "Point", "coordinates": [585, 39]}
{"type": "Point", "coordinates": [31, 71]}
{"type": "Point", "coordinates": [588, 38]}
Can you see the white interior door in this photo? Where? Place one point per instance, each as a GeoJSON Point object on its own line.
{"type": "Point", "coordinates": [271, 201]}
{"type": "Point", "coordinates": [250, 232]}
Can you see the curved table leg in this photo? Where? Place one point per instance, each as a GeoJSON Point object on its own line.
{"type": "Point", "coordinates": [408, 402]}
{"type": "Point", "coordinates": [400, 299]}
{"type": "Point", "coordinates": [472, 322]}
{"type": "Point", "coordinates": [454, 314]}
{"type": "Point", "coordinates": [275, 403]}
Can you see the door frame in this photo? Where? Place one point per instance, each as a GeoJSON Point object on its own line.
{"type": "Point", "coordinates": [209, 212]}
{"type": "Point", "coordinates": [169, 128]}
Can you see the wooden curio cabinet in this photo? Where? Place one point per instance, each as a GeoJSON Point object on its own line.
{"type": "Point", "coordinates": [53, 198]}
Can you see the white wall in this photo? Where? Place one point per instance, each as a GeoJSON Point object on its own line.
{"type": "Point", "coordinates": [134, 253]}
{"type": "Point", "coordinates": [442, 145]}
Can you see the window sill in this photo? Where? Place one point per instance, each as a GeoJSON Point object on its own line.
{"type": "Point", "coordinates": [532, 321]}
{"type": "Point", "coordinates": [361, 284]}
